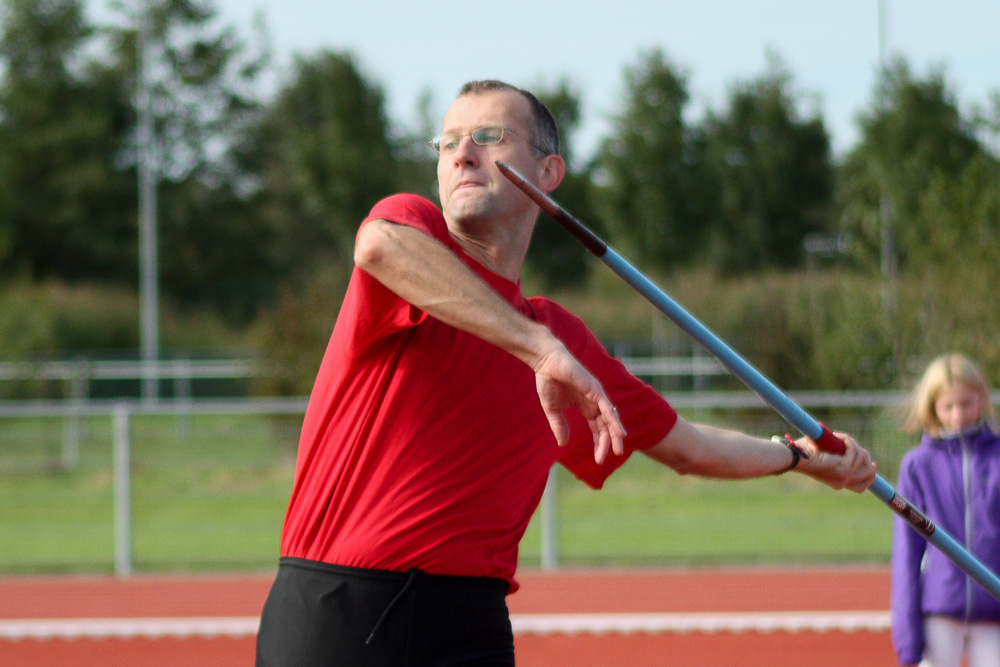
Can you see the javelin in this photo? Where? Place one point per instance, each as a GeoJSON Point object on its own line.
{"type": "Point", "coordinates": [754, 379]}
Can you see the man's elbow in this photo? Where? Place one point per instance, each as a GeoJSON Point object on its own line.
{"type": "Point", "coordinates": [684, 450]}
{"type": "Point", "coordinates": [369, 247]}
{"type": "Point", "coordinates": [686, 465]}
{"type": "Point", "coordinates": [677, 459]}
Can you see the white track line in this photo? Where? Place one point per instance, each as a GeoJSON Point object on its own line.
{"type": "Point", "coordinates": [534, 624]}
{"type": "Point", "coordinates": [128, 628]}
{"type": "Point", "coordinates": [821, 621]}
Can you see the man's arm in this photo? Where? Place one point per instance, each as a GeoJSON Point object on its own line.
{"type": "Point", "coordinates": [707, 451]}
{"type": "Point", "coordinates": [427, 274]}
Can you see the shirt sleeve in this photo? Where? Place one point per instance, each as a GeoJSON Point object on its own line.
{"type": "Point", "coordinates": [411, 210]}
{"type": "Point", "coordinates": [646, 415]}
{"type": "Point", "coordinates": [378, 311]}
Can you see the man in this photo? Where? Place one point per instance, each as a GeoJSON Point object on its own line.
{"type": "Point", "coordinates": [442, 401]}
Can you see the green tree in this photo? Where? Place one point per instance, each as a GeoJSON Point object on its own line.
{"type": "Point", "coordinates": [62, 117]}
{"type": "Point", "coordinates": [68, 186]}
{"type": "Point", "coordinates": [773, 172]}
{"type": "Point", "coordinates": [202, 80]}
{"type": "Point", "coordinates": [911, 134]}
{"type": "Point", "coordinates": [416, 160]}
{"type": "Point", "coordinates": [554, 257]}
{"type": "Point", "coordinates": [203, 83]}
{"type": "Point", "coordinates": [322, 156]}
{"type": "Point", "coordinates": [951, 299]}
{"type": "Point", "coordinates": [653, 194]}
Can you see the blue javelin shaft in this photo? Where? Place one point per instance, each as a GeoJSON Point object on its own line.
{"type": "Point", "coordinates": [733, 362]}
{"type": "Point", "coordinates": [754, 379]}
{"type": "Point", "coordinates": [799, 418]}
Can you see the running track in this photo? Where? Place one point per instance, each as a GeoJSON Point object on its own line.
{"type": "Point", "coordinates": [686, 618]}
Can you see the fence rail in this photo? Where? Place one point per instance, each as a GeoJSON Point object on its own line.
{"type": "Point", "coordinates": [79, 376]}
{"type": "Point", "coordinates": [680, 400]}
{"type": "Point", "coordinates": [167, 369]}
{"type": "Point", "coordinates": [146, 438]}
{"type": "Point", "coordinates": [80, 373]}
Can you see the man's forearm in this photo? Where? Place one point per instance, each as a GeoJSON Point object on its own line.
{"type": "Point", "coordinates": [713, 452]}
{"type": "Point", "coordinates": [425, 273]}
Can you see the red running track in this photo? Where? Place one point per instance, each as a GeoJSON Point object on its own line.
{"type": "Point", "coordinates": [746, 590]}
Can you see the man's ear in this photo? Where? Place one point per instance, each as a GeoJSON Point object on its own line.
{"type": "Point", "coordinates": [551, 171]}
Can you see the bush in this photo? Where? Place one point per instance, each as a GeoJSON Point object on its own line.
{"type": "Point", "coordinates": [55, 320]}
{"type": "Point", "coordinates": [294, 334]}
{"type": "Point", "coordinates": [26, 323]}
{"type": "Point", "coordinates": [822, 329]}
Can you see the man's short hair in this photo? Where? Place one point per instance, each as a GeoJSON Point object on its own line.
{"type": "Point", "coordinates": [545, 129]}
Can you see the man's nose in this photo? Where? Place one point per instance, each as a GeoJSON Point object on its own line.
{"type": "Point", "coordinates": [467, 151]}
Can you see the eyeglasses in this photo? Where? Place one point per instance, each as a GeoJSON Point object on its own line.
{"type": "Point", "coordinates": [481, 136]}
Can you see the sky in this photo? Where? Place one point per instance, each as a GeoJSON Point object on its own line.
{"type": "Point", "coordinates": [831, 49]}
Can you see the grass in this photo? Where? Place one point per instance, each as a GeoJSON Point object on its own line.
{"type": "Point", "coordinates": [648, 515]}
{"type": "Point", "coordinates": [209, 493]}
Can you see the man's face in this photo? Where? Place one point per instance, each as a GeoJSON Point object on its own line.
{"type": "Point", "coordinates": [471, 187]}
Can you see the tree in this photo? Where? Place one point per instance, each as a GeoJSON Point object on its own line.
{"type": "Point", "coordinates": [957, 284]}
{"type": "Point", "coordinates": [416, 160]}
{"type": "Point", "coordinates": [911, 134]}
{"type": "Point", "coordinates": [68, 187]}
{"type": "Point", "coordinates": [203, 83]}
{"type": "Point", "coordinates": [773, 173]}
{"type": "Point", "coordinates": [62, 117]}
{"type": "Point", "coordinates": [554, 256]}
{"type": "Point", "coordinates": [652, 191]}
{"type": "Point", "coordinates": [322, 156]}
{"type": "Point", "coordinates": [203, 89]}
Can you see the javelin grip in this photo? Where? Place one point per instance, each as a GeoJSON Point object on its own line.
{"type": "Point", "coordinates": [828, 442]}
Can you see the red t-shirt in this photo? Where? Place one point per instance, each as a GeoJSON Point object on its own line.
{"type": "Point", "coordinates": [426, 447]}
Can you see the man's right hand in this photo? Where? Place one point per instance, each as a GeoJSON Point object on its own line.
{"type": "Point", "coordinates": [563, 383]}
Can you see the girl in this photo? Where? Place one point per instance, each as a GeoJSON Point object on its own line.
{"type": "Point", "coordinates": [953, 475]}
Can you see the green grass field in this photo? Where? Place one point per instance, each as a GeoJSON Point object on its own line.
{"type": "Point", "coordinates": [650, 516]}
{"type": "Point", "coordinates": [209, 493]}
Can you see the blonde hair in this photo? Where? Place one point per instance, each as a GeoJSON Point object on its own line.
{"type": "Point", "coordinates": [943, 373]}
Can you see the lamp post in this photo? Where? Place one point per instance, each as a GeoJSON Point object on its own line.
{"type": "Point", "coordinates": [885, 205]}
{"type": "Point", "coordinates": [148, 272]}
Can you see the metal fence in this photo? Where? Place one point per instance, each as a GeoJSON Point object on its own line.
{"type": "Point", "coordinates": [83, 378]}
{"type": "Point", "coordinates": [202, 484]}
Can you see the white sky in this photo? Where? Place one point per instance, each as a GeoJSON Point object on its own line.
{"type": "Point", "coordinates": [830, 48]}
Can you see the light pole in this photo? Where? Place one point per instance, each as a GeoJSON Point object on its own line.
{"type": "Point", "coordinates": [148, 272]}
{"type": "Point", "coordinates": [885, 205]}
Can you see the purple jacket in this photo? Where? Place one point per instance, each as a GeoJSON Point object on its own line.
{"type": "Point", "coordinates": [956, 481]}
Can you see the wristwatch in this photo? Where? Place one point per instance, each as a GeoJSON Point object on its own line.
{"type": "Point", "coordinates": [797, 452]}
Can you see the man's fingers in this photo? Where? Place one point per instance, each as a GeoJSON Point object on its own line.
{"type": "Point", "coordinates": [609, 432]}
{"type": "Point", "coordinates": [853, 470]}
{"type": "Point", "coordinates": [602, 442]}
{"type": "Point", "coordinates": [559, 426]}
{"type": "Point", "coordinates": [563, 385]}
{"type": "Point", "coordinates": [862, 466]}
{"type": "Point", "coordinates": [615, 425]}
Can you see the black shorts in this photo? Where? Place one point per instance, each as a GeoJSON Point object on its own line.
{"type": "Point", "coordinates": [321, 615]}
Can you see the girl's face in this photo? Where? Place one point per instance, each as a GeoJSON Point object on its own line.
{"type": "Point", "coordinates": [957, 406]}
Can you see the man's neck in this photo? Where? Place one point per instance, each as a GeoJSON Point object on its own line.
{"type": "Point", "coordinates": [499, 248]}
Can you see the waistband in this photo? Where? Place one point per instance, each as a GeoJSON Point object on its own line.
{"type": "Point", "coordinates": [410, 577]}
